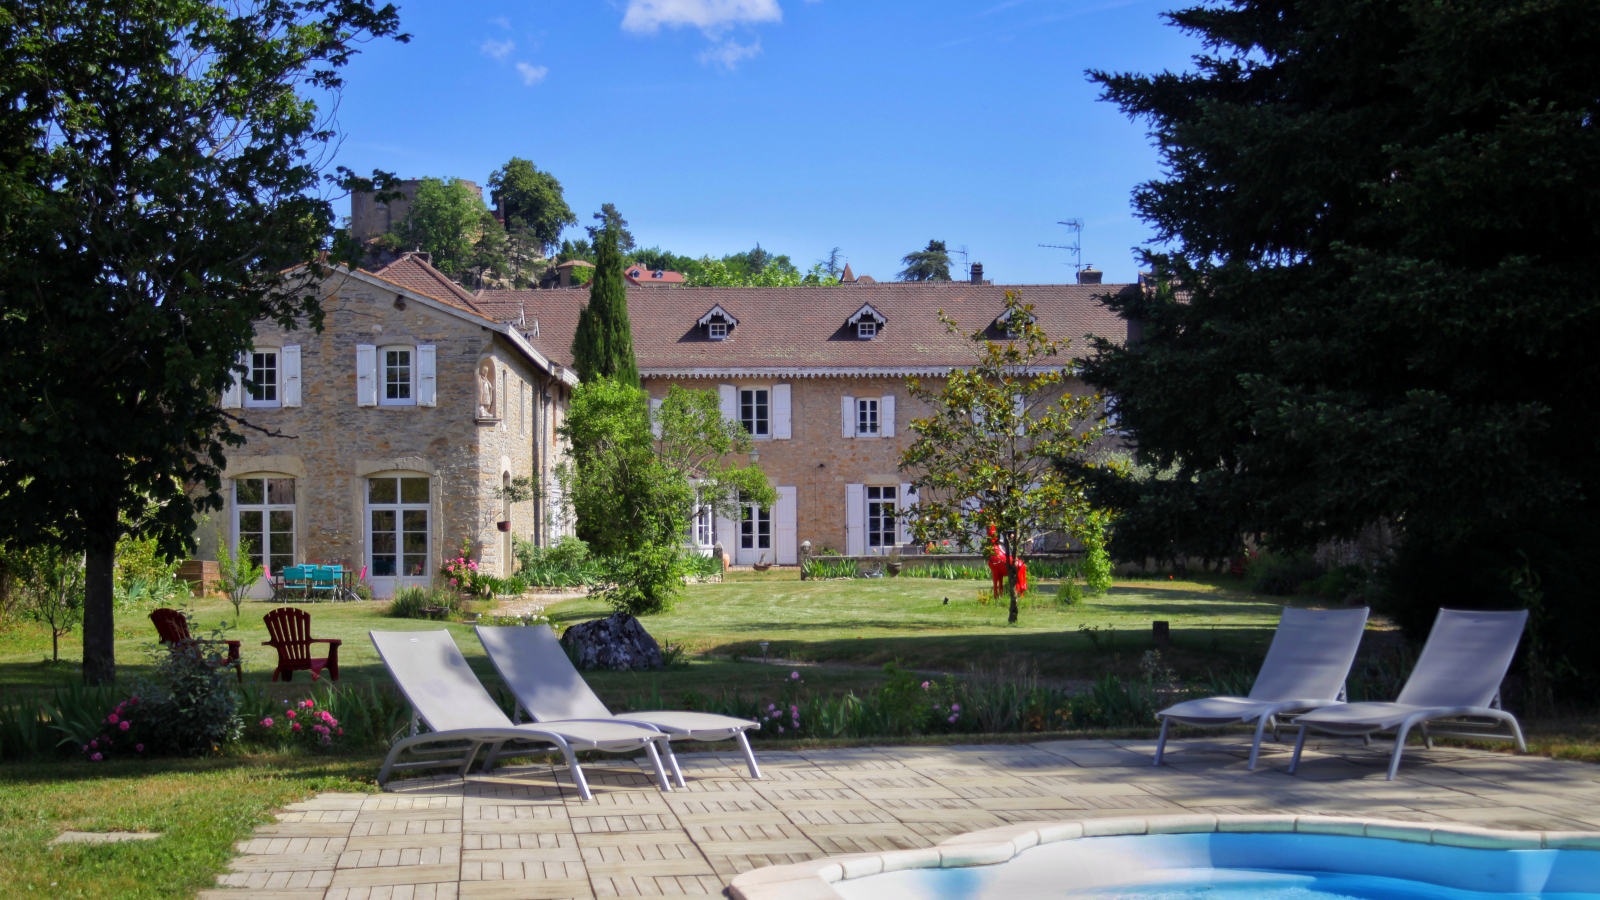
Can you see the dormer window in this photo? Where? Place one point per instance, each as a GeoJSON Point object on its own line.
{"type": "Point", "coordinates": [718, 323]}
{"type": "Point", "coordinates": [867, 322]}
{"type": "Point", "coordinates": [1004, 325]}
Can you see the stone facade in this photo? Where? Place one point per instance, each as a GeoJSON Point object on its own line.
{"type": "Point", "coordinates": [817, 460]}
{"type": "Point", "coordinates": [495, 412]}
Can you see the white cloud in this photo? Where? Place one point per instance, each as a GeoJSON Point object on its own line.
{"type": "Point", "coordinates": [532, 74]}
{"type": "Point", "coordinates": [497, 49]}
{"type": "Point", "coordinates": [711, 16]}
{"type": "Point", "coordinates": [502, 21]}
{"type": "Point", "coordinates": [729, 53]}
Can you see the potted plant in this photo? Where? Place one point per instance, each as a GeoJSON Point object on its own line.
{"type": "Point", "coordinates": [503, 526]}
{"type": "Point", "coordinates": [894, 564]}
{"type": "Point", "coordinates": [519, 490]}
{"type": "Point", "coordinates": [761, 564]}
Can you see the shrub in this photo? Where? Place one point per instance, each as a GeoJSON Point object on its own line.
{"type": "Point", "coordinates": [1280, 574]}
{"type": "Point", "coordinates": [567, 564]}
{"type": "Point", "coordinates": [410, 603]}
{"type": "Point", "coordinates": [824, 568]}
{"type": "Point", "coordinates": [140, 559]}
{"type": "Point", "coordinates": [697, 566]}
{"type": "Point", "coordinates": [368, 717]}
{"type": "Point", "coordinates": [1096, 561]}
{"type": "Point", "coordinates": [462, 574]}
{"type": "Point", "coordinates": [157, 590]}
{"type": "Point", "coordinates": [646, 581]}
{"type": "Point", "coordinates": [301, 724]}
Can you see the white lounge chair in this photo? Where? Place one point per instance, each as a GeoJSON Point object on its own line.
{"type": "Point", "coordinates": [534, 665]}
{"type": "Point", "coordinates": [444, 693]}
{"type": "Point", "coordinates": [1305, 669]}
{"type": "Point", "coordinates": [1457, 677]}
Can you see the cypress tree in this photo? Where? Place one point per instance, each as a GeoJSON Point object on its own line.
{"type": "Point", "coordinates": [602, 347]}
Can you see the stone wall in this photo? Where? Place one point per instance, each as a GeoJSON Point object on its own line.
{"type": "Point", "coordinates": [332, 445]}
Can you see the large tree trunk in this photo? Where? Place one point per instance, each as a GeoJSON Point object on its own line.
{"type": "Point", "coordinates": [99, 633]}
{"type": "Point", "coordinates": [1011, 582]}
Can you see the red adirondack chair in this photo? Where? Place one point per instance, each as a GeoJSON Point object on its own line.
{"type": "Point", "coordinates": [172, 628]}
{"type": "Point", "coordinates": [290, 630]}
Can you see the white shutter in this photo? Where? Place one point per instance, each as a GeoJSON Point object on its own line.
{"type": "Point", "coordinates": [366, 375]}
{"type": "Point", "coordinates": [655, 420]}
{"type": "Point", "coordinates": [427, 375]}
{"type": "Point", "coordinates": [886, 415]}
{"type": "Point", "coordinates": [729, 400]}
{"type": "Point", "coordinates": [232, 396]}
{"type": "Point", "coordinates": [291, 375]}
{"type": "Point", "coordinates": [855, 520]}
{"type": "Point", "coordinates": [780, 412]}
{"type": "Point", "coordinates": [1020, 405]}
{"type": "Point", "coordinates": [908, 500]}
{"type": "Point", "coordinates": [786, 512]}
{"type": "Point", "coordinates": [847, 415]}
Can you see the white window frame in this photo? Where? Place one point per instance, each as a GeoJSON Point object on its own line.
{"type": "Point", "coordinates": [266, 508]}
{"type": "Point", "coordinates": [751, 518]}
{"type": "Point", "coordinates": [701, 525]}
{"type": "Point", "coordinates": [869, 421]}
{"type": "Point", "coordinates": [717, 331]}
{"type": "Point", "coordinates": [887, 525]}
{"type": "Point", "coordinates": [766, 421]}
{"type": "Point", "coordinates": [383, 375]}
{"type": "Point", "coordinates": [399, 507]}
{"type": "Point", "coordinates": [867, 329]}
{"type": "Point", "coordinates": [272, 393]}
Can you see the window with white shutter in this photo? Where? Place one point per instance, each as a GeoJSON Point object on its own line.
{"type": "Point", "coordinates": [261, 385]}
{"type": "Point", "coordinates": [847, 415]}
{"type": "Point", "coordinates": [232, 394]}
{"type": "Point", "coordinates": [728, 401]}
{"type": "Point", "coordinates": [397, 371]}
{"type": "Point", "coordinates": [855, 525]}
{"type": "Point", "coordinates": [781, 403]}
{"type": "Point", "coordinates": [886, 416]}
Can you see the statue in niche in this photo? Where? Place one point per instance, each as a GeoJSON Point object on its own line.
{"type": "Point", "coordinates": [486, 409]}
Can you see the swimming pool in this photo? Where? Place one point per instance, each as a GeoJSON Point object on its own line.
{"type": "Point", "coordinates": [1207, 858]}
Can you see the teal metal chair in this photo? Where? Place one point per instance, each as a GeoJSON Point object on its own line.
{"type": "Point", "coordinates": [326, 581]}
{"type": "Point", "coordinates": [296, 581]}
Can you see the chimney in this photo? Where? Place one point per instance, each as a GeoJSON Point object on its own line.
{"type": "Point", "coordinates": [977, 273]}
{"type": "Point", "coordinates": [1089, 275]}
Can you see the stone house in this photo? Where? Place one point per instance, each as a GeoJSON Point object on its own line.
{"type": "Point", "coordinates": [818, 376]}
{"type": "Point", "coordinates": [391, 430]}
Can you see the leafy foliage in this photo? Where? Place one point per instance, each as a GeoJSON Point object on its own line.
{"type": "Point", "coordinates": [414, 602]}
{"type": "Point", "coordinates": [531, 200]}
{"type": "Point", "coordinates": [237, 572]}
{"type": "Point", "coordinates": [1383, 249]}
{"type": "Point", "coordinates": [53, 591]}
{"type": "Point", "coordinates": [163, 166]}
{"type": "Point", "coordinates": [448, 220]}
{"type": "Point", "coordinates": [632, 492]}
{"type": "Point", "coordinates": [986, 457]}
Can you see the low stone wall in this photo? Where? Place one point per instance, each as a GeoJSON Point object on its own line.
{"type": "Point", "coordinates": [876, 563]}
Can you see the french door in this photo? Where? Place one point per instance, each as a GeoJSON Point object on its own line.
{"type": "Point", "coordinates": [398, 533]}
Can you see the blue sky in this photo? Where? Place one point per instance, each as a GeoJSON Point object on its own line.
{"type": "Point", "coordinates": [804, 125]}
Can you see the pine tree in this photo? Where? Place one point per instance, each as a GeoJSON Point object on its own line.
{"type": "Point", "coordinates": [603, 344]}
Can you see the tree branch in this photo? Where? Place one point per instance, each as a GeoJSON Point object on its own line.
{"type": "Point", "coordinates": [266, 431]}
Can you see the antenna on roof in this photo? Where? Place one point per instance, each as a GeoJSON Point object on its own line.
{"type": "Point", "coordinates": [966, 262]}
{"type": "Point", "coordinates": [1076, 247]}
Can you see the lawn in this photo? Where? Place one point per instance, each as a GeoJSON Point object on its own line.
{"type": "Point", "coordinates": [853, 626]}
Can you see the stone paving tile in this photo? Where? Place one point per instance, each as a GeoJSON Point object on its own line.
{"type": "Point", "coordinates": [522, 833]}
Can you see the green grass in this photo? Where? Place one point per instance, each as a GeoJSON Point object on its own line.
{"type": "Point", "coordinates": [200, 807]}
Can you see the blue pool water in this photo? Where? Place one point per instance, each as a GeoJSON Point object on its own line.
{"type": "Point", "coordinates": [1227, 866]}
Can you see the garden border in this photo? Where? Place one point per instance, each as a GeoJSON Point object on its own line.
{"type": "Point", "coordinates": [814, 880]}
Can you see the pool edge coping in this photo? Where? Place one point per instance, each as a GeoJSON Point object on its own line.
{"type": "Point", "coordinates": [814, 880]}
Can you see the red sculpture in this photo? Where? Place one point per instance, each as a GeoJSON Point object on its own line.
{"type": "Point", "coordinates": [1000, 565]}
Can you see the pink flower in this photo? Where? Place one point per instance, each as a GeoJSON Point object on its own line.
{"type": "Point", "coordinates": [955, 707]}
{"type": "Point", "coordinates": [953, 719]}
{"type": "Point", "coordinates": [124, 725]}
{"type": "Point", "coordinates": [267, 722]}
{"type": "Point", "coordinates": [290, 713]}
{"type": "Point", "coordinates": [341, 731]}
{"type": "Point", "coordinates": [794, 709]}
{"type": "Point", "coordinates": [139, 747]}
{"type": "Point", "coordinates": [794, 676]}
{"type": "Point", "coordinates": [97, 757]}
{"type": "Point", "coordinates": [309, 703]}
{"type": "Point", "coordinates": [771, 707]}
{"type": "Point", "coordinates": [86, 748]}
{"type": "Point", "coordinates": [780, 731]}
{"type": "Point", "coordinates": [925, 685]}
{"type": "Point", "coordinates": [295, 726]}
{"type": "Point", "coordinates": [94, 743]}
{"type": "Point", "coordinates": [452, 582]}
{"type": "Point", "coordinates": [112, 718]}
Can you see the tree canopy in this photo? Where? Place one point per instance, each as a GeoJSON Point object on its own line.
{"type": "Point", "coordinates": [931, 264]}
{"type": "Point", "coordinates": [608, 217]}
{"type": "Point", "coordinates": [449, 221]}
{"type": "Point", "coordinates": [531, 199]}
{"type": "Point", "coordinates": [161, 168]}
{"type": "Point", "coordinates": [1381, 295]}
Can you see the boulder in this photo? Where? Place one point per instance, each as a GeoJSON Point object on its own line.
{"type": "Point", "coordinates": [618, 643]}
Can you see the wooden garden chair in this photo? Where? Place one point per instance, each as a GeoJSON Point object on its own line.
{"type": "Point", "coordinates": [173, 628]}
{"type": "Point", "coordinates": [290, 630]}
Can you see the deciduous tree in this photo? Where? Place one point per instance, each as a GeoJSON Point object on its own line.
{"type": "Point", "coordinates": [987, 456]}
{"type": "Point", "coordinates": [531, 199]}
{"type": "Point", "coordinates": [161, 164]}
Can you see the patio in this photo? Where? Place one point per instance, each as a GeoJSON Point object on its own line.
{"type": "Point", "coordinates": [522, 834]}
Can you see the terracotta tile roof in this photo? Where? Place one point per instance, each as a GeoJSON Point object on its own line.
{"type": "Point", "coordinates": [803, 328]}
{"type": "Point", "coordinates": [412, 272]}
{"type": "Point", "coordinates": [646, 276]}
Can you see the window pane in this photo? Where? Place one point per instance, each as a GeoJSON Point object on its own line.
{"type": "Point", "coordinates": [251, 538]}
{"type": "Point", "coordinates": [264, 375]}
{"type": "Point", "coordinates": [397, 374]}
{"type": "Point", "coordinates": [280, 491]}
{"type": "Point", "coordinates": [381, 490]}
{"type": "Point", "coordinates": [764, 533]}
{"type": "Point", "coordinates": [384, 559]}
{"type": "Point", "coordinates": [414, 537]}
{"type": "Point", "coordinates": [248, 490]}
{"type": "Point", "coordinates": [413, 490]}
